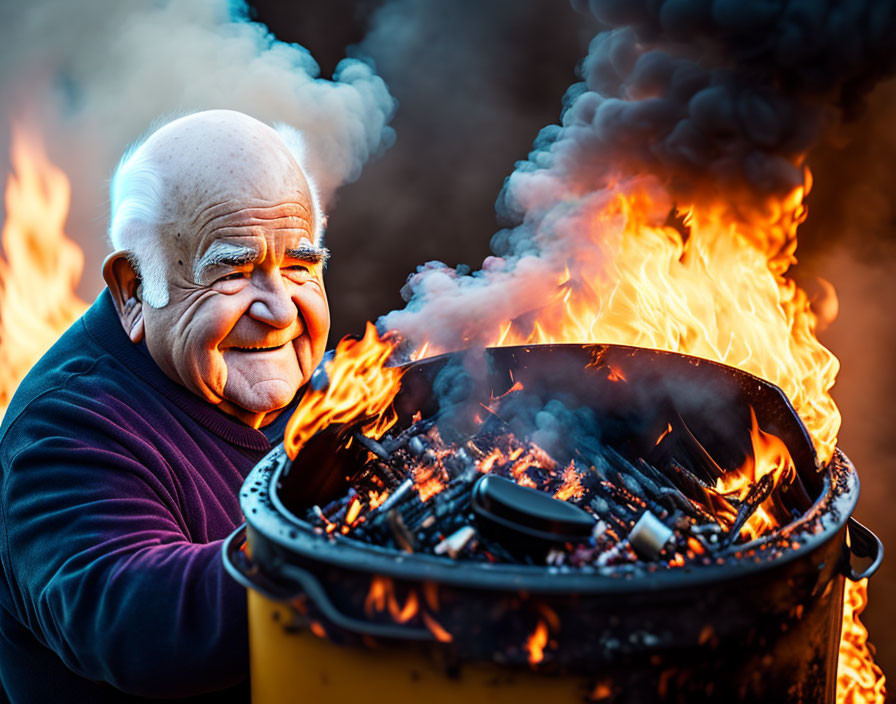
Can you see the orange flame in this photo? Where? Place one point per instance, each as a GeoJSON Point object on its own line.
{"type": "Point", "coordinates": [522, 458]}
{"type": "Point", "coordinates": [376, 595]}
{"type": "Point", "coordinates": [770, 456]}
{"type": "Point", "coordinates": [403, 614]}
{"type": "Point", "coordinates": [353, 512]}
{"type": "Point", "coordinates": [361, 387]}
{"type": "Point", "coordinates": [428, 482]}
{"type": "Point", "coordinates": [436, 629]}
{"type": "Point", "coordinates": [42, 266]}
{"type": "Point", "coordinates": [720, 293]}
{"type": "Point", "coordinates": [859, 679]}
{"type": "Point", "coordinates": [377, 498]}
{"type": "Point", "coordinates": [616, 374]}
{"type": "Point", "coordinates": [536, 642]}
{"type": "Point", "coordinates": [664, 433]}
{"type": "Point", "coordinates": [381, 597]}
{"type": "Point", "coordinates": [571, 486]}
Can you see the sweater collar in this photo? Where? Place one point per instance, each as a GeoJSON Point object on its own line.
{"type": "Point", "coordinates": [102, 324]}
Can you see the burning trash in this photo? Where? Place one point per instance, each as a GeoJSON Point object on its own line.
{"type": "Point", "coordinates": [629, 521]}
{"type": "Point", "coordinates": [496, 497]}
{"type": "Point", "coordinates": [573, 499]}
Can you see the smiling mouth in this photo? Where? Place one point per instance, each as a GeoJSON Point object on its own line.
{"type": "Point", "coordinates": [260, 349]}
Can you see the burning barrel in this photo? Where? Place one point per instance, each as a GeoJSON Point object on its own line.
{"type": "Point", "coordinates": [458, 558]}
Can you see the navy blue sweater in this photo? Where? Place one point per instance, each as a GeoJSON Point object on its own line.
{"type": "Point", "coordinates": [118, 486]}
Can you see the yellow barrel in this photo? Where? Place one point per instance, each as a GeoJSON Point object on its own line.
{"type": "Point", "coordinates": [295, 665]}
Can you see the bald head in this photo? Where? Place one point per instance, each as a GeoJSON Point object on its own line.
{"type": "Point", "coordinates": [221, 155]}
{"type": "Point", "coordinates": [193, 168]}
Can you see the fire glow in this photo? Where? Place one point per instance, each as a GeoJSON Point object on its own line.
{"type": "Point", "coordinates": [712, 287]}
{"type": "Point", "coordinates": [720, 292]}
{"type": "Point", "coordinates": [382, 598]}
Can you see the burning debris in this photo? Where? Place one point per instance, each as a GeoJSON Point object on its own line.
{"type": "Point", "coordinates": [358, 385]}
{"type": "Point", "coordinates": [570, 509]}
{"type": "Point", "coordinates": [499, 497]}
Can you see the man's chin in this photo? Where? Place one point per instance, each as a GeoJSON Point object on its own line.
{"type": "Point", "coordinates": [263, 397]}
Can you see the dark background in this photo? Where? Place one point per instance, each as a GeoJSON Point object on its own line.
{"type": "Point", "coordinates": [475, 82]}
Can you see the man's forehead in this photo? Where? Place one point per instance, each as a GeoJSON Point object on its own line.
{"type": "Point", "coordinates": [250, 220]}
{"type": "Point", "coordinates": [220, 218]}
{"type": "Point", "coordinates": [219, 158]}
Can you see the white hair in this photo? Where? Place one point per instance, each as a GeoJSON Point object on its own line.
{"type": "Point", "coordinates": [295, 143]}
{"type": "Point", "coordinates": [137, 209]}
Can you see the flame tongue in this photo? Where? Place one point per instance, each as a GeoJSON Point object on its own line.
{"type": "Point", "coordinates": [770, 456]}
{"type": "Point", "coordinates": [769, 466]}
{"type": "Point", "coordinates": [361, 388]}
{"type": "Point", "coordinates": [859, 679]}
{"type": "Point", "coordinates": [39, 258]}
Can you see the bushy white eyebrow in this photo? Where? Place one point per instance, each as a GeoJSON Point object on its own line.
{"type": "Point", "coordinates": [223, 253]}
{"type": "Point", "coordinates": [308, 252]}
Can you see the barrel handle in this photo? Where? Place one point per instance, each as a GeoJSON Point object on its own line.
{"type": "Point", "coordinates": [246, 572]}
{"type": "Point", "coordinates": [314, 590]}
{"type": "Point", "coordinates": [865, 545]}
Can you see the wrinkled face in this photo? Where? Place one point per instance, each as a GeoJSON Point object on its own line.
{"type": "Point", "coordinates": [247, 318]}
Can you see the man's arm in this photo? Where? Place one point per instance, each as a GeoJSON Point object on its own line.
{"type": "Point", "coordinates": [103, 574]}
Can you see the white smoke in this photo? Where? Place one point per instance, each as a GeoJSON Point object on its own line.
{"type": "Point", "coordinates": [91, 76]}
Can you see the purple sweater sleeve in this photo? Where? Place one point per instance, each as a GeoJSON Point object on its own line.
{"type": "Point", "coordinates": [103, 571]}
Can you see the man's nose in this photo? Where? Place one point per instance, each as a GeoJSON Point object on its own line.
{"type": "Point", "coordinates": [273, 304]}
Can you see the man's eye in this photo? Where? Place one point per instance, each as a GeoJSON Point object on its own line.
{"type": "Point", "coordinates": [299, 271]}
{"type": "Point", "coordinates": [231, 277]}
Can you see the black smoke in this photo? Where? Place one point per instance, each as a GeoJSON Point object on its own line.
{"type": "Point", "coordinates": [710, 102]}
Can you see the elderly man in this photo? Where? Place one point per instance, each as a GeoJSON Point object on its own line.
{"type": "Point", "coordinates": [123, 450]}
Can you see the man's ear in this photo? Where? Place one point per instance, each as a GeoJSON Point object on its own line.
{"type": "Point", "coordinates": [124, 285]}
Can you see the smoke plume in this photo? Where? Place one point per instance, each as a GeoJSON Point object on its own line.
{"type": "Point", "coordinates": [91, 76]}
{"type": "Point", "coordinates": [700, 101]}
